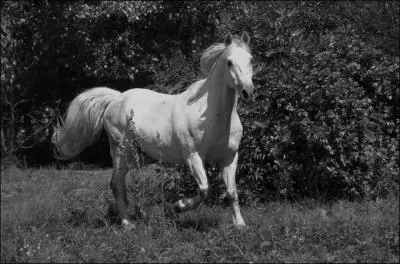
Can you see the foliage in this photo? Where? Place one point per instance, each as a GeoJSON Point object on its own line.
{"type": "Point", "coordinates": [326, 115]}
{"type": "Point", "coordinates": [325, 122]}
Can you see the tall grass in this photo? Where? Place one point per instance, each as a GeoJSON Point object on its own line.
{"type": "Point", "coordinates": [50, 215]}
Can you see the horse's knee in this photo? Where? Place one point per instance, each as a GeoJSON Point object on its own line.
{"type": "Point", "coordinates": [232, 194]}
{"type": "Point", "coordinates": [115, 186]}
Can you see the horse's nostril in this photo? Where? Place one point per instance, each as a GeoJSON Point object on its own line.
{"type": "Point", "coordinates": [245, 94]}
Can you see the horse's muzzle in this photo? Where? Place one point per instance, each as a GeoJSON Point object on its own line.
{"type": "Point", "coordinates": [247, 93]}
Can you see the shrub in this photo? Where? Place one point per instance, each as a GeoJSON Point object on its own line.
{"type": "Point", "coordinates": [325, 120]}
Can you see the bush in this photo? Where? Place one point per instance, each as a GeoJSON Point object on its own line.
{"type": "Point", "coordinates": [325, 120]}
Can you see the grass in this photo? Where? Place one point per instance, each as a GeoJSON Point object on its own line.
{"type": "Point", "coordinates": [60, 216]}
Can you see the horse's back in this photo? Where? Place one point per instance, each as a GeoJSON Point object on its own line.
{"type": "Point", "coordinates": [152, 112]}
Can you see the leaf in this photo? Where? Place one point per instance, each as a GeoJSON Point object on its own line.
{"type": "Point", "coordinates": [265, 244]}
{"type": "Point", "coordinates": [297, 32]}
{"type": "Point", "coordinates": [250, 108]}
{"type": "Point", "coordinates": [293, 12]}
{"type": "Point", "coordinates": [303, 52]}
{"type": "Point", "coordinates": [269, 53]}
{"type": "Point", "coordinates": [259, 124]}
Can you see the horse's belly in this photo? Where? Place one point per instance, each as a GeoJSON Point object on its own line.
{"type": "Point", "coordinates": [156, 137]}
{"type": "Point", "coordinates": [159, 144]}
{"type": "Point", "coordinates": [163, 154]}
{"type": "Point", "coordinates": [150, 125]}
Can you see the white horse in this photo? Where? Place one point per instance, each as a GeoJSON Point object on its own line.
{"type": "Point", "coordinates": [198, 125]}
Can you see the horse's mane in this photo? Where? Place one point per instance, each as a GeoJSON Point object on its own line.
{"type": "Point", "coordinates": [209, 56]}
{"type": "Point", "coordinates": [212, 53]}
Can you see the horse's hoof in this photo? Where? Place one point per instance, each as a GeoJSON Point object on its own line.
{"type": "Point", "coordinates": [127, 225]}
{"type": "Point", "coordinates": [241, 226]}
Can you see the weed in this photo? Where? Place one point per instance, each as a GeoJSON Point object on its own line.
{"type": "Point", "coordinates": [143, 185]}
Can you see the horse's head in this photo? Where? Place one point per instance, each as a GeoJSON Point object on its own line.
{"type": "Point", "coordinates": [238, 65]}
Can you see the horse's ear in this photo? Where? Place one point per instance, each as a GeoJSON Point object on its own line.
{"type": "Point", "coordinates": [228, 39]}
{"type": "Point", "coordinates": [245, 37]}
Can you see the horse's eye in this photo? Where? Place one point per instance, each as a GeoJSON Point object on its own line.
{"type": "Point", "coordinates": [229, 63]}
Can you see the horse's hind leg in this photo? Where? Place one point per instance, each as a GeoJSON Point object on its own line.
{"type": "Point", "coordinates": [196, 166]}
{"type": "Point", "coordinates": [118, 185]}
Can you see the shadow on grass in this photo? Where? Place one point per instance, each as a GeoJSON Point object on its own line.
{"type": "Point", "coordinates": [199, 219]}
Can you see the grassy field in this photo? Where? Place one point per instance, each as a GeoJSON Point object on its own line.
{"type": "Point", "coordinates": [59, 216]}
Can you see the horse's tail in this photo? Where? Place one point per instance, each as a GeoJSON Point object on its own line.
{"type": "Point", "coordinates": [83, 122]}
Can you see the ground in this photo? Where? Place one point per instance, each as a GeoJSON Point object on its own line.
{"type": "Point", "coordinates": [61, 216]}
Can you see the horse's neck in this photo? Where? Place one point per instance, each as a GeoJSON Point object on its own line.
{"type": "Point", "coordinates": [222, 100]}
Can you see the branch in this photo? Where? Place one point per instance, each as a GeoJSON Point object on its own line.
{"type": "Point", "coordinates": [26, 147]}
{"type": "Point", "coordinates": [5, 97]}
{"type": "Point", "coordinates": [36, 132]}
{"type": "Point", "coordinates": [18, 103]}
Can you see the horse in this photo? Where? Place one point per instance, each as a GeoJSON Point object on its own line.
{"type": "Point", "coordinates": [199, 125]}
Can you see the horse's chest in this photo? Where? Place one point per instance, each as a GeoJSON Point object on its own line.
{"type": "Point", "coordinates": [223, 147]}
{"type": "Point", "coordinates": [216, 139]}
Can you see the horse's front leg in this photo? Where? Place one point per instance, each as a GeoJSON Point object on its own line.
{"type": "Point", "coordinates": [196, 166]}
{"type": "Point", "coordinates": [228, 171]}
